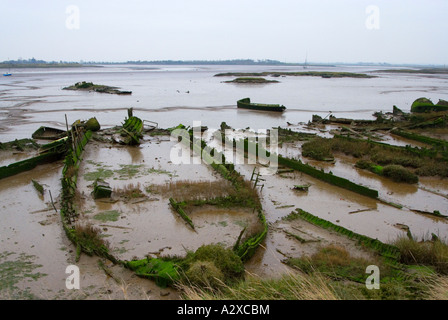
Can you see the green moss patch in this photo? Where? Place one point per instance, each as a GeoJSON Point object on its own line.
{"type": "Point", "coordinates": [164, 272]}
{"type": "Point", "coordinates": [110, 215]}
{"type": "Point", "coordinates": [98, 174]}
{"type": "Point", "coordinates": [15, 268]}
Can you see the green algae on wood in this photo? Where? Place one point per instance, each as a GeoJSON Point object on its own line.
{"type": "Point", "coordinates": [386, 250]}
{"type": "Point", "coordinates": [101, 189]}
{"type": "Point", "coordinates": [163, 272]}
{"type": "Point", "coordinates": [426, 105]}
{"type": "Point", "coordinates": [181, 212]}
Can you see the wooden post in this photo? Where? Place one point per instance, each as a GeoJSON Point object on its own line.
{"type": "Point", "coordinates": [51, 198]}
{"type": "Point", "coordinates": [252, 176]}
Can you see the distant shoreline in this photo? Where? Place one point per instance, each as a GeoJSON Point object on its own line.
{"type": "Point", "coordinates": [42, 65]}
{"type": "Point", "coordinates": [422, 71]}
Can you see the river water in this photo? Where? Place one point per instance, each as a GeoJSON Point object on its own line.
{"type": "Point", "coordinates": [170, 95]}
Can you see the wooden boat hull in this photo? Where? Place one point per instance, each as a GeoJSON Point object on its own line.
{"type": "Point", "coordinates": [47, 133]}
{"type": "Point", "coordinates": [246, 104]}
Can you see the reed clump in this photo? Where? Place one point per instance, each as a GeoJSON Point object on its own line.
{"type": "Point", "coordinates": [188, 190]}
{"type": "Point", "coordinates": [88, 237]}
{"type": "Point", "coordinates": [433, 253]}
{"type": "Point", "coordinates": [129, 191]}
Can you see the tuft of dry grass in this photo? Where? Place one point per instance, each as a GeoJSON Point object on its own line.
{"type": "Point", "coordinates": [89, 237]}
{"type": "Point", "coordinates": [431, 252]}
{"type": "Point", "coordinates": [438, 288]}
{"type": "Point", "coordinates": [291, 286]}
{"type": "Point", "coordinates": [130, 191]}
{"type": "Point", "coordinates": [187, 190]}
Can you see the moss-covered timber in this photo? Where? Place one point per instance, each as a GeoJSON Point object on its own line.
{"type": "Point", "coordinates": [84, 237]}
{"type": "Point", "coordinates": [132, 130]}
{"type": "Point", "coordinates": [89, 86]}
{"type": "Point", "coordinates": [29, 164]}
{"type": "Point", "coordinates": [50, 152]}
{"type": "Point", "coordinates": [438, 143]}
{"type": "Point", "coordinates": [164, 273]}
{"type": "Point", "coordinates": [181, 212]}
{"type": "Point", "coordinates": [426, 105]}
{"type": "Point", "coordinates": [386, 250]}
{"type": "Point", "coordinates": [246, 249]}
{"type": "Point", "coordinates": [327, 177]}
{"type": "Point", "coordinates": [48, 133]}
{"type": "Point", "coordinates": [310, 170]}
{"type": "Point", "coordinates": [252, 80]}
{"type": "Point", "coordinates": [246, 104]}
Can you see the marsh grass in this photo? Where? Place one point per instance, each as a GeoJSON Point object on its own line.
{"type": "Point", "coordinates": [432, 253]}
{"type": "Point", "coordinates": [89, 238]}
{"type": "Point", "coordinates": [399, 173]}
{"type": "Point", "coordinates": [334, 262]}
{"type": "Point", "coordinates": [187, 190]}
{"type": "Point", "coordinates": [129, 191]}
{"type": "Point", "coordinates": [224, 259]}
{"type": "Point", "coordinates": [438, 288]}
{"type": "Point", "coordinates": [291, 286]}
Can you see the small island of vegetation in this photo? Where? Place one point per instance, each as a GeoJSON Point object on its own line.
{"type": "Point", "coordinates": [89, 86]}
{"type": "Point", "coordinates": [251, 80]}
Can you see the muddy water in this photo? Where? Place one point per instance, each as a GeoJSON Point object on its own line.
{"type": "Point", "coordinates": [148, 226]}
{"type": "Point", "coordinates": [358, 213]}
{"type": "Point", "coordinates": [34, 243]}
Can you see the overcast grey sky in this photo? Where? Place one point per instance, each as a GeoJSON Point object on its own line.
{"type": "Point", "coordinates": [393, 31]}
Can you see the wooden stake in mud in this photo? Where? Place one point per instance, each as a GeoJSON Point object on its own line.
{"type": "Point", "coordinates": [66, 122]}
{"type": "Point", "coordinates": [51, 198]}
{"type": "Point", "coordinates": [66, 125]}
{"type": "Point", "coordinates": [252, 176]}
{"type": "Point", "coordinates": [256, 180]}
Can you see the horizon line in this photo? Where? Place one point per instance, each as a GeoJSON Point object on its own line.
{"type": "Point", "coordinates": [218, 61]}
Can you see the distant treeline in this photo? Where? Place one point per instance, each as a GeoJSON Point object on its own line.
{"type": "Point", "coordinates": [213, 62]}
{"type": "Point", "coordinates": [33, 63]}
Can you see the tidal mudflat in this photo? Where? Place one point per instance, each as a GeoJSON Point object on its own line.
{"type": "Point", "coordinates": [161, 213]}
